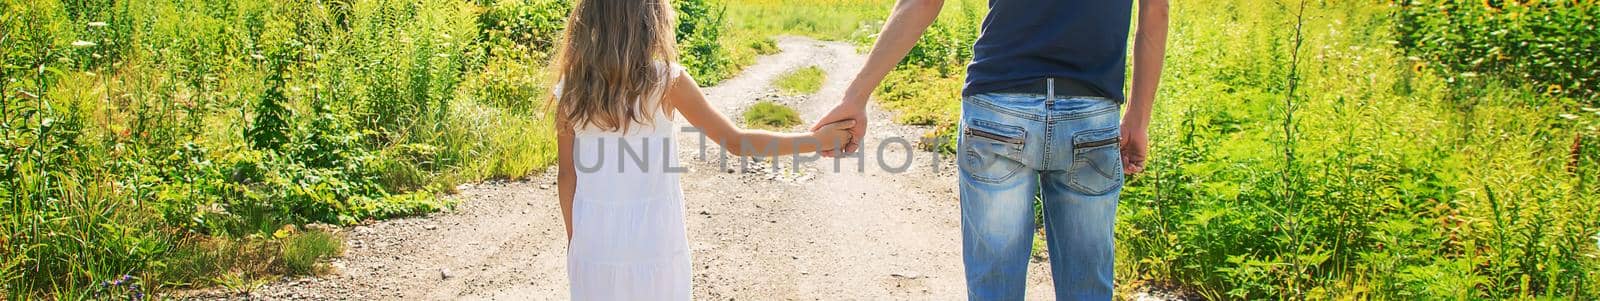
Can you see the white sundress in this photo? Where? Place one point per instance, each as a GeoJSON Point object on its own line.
{"type": "Point", "coordinates": [628, 239]}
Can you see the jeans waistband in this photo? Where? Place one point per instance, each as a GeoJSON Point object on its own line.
{"type": "Point", "coordinates": [1055, 86]}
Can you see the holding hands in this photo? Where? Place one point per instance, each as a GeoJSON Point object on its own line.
{"type": "Point", "coordinates": [834, 136]}
{"type": "Point", "coordinates": [850, 110]}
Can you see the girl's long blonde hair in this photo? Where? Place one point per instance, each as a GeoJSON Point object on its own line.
{"type": "Point", "coordinates": [616, 55]}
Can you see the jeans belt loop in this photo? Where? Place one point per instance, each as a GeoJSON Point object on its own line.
{"type": "Point", "coordinates": [1049, 91]}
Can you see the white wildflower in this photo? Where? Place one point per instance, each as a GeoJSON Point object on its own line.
{"type": "Point", "coordinates": [97, 24]}
{"type": "Point", "coordinates": [83, 44]}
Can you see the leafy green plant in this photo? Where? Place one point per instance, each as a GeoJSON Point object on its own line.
{"type": "Point", "coordinates": [699, 35]}
{"type": "Point", "coordinates": [523, 26]}
{"type": "Point", "coordinates": [270, 131]}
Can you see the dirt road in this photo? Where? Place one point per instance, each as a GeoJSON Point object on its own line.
{"type": "Point", "coordinates": [756, 233]}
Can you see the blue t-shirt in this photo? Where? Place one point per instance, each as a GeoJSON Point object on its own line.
{"type": "Point", "coordinates": [1022, 41]}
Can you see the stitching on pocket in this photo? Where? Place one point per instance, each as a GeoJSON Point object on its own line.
{"type": "Point", "coordinates": [1012, 149]}
{"type": "Point", "coordinates": [1076, 181]}
{"type": "Point", "coordinates": [1081, 153]}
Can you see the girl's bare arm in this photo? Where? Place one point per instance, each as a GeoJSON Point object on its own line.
{"type": "Point", "coordinates": [566, 176]}
{"type": "Point", "coordinates": [684, 95]}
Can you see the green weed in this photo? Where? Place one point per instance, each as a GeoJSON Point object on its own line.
{"type": "Point", "coordinates": [771, 115]}
{"type": "Point", "coordinates": [302, 252]}
{"type": "Point", "coordinates": [803, 81]}
{"type": "Point", "coordinates": [764, 46]}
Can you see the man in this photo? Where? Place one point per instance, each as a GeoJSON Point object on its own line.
{"type": "Point", "coordinates": [1039, 114]}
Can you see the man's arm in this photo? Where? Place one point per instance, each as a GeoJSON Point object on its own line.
{"type": "Point", "coordinates": [1149, 49]}
{"type": "Point", "coordinates": [906, 24]}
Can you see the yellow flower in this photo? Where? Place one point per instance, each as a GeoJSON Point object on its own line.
{"type": "Point", "coordinates": [1552, 89]}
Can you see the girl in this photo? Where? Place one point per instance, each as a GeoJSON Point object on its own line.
{"type": "Point", "coordinates": [618, 94]}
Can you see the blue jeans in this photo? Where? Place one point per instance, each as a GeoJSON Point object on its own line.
{"type": "Point", "coordinates": [1014, 147]}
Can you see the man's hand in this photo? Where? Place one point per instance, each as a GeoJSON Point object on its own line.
{"type": "Point", "coordinates": [905, 25]}
{"type": "Point", "coordinates": [849, 109]}
{"type": "Point", "coordinates": [1135, 147]}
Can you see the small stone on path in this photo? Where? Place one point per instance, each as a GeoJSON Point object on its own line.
{"type": "Point", "coordinates": [906, 275]}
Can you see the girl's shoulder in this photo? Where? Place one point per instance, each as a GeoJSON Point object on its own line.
{"type": "Point", "coordinates": [672, 70]}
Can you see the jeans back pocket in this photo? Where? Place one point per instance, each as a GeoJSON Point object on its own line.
{"type": "Point", "coordinates": [1096, 161]}
{"type": "Point", "coordinates": [990, 151]}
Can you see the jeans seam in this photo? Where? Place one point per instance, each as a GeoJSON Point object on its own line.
{"type": "Point", "coordinates": [1049, 148]}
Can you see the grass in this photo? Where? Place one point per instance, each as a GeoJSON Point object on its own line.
{"type": "Point", "coordinates": [834, 20]}
{"type": "Point", "coordinates": [303, 252]}
{"type": "Point", "coordinates": [803, 81]}
{"type": "Point", "coordinates": [763, 46]}
{"type": "Point", "coordinates": [243, 265]}
{"type": "Point", "coordinates": [771, 115]}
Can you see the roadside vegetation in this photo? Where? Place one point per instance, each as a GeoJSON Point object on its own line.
{"type": "Point", "coordinates": [148, 146]}
{"type": "Point", "coordinates": [832, 20]}
{"type": "Point", "coordinates": [803, 81]}
{"type": "Point", "coordinates": [1426, 150]}
{"type": "Point", "coordinates": [770, 115]}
